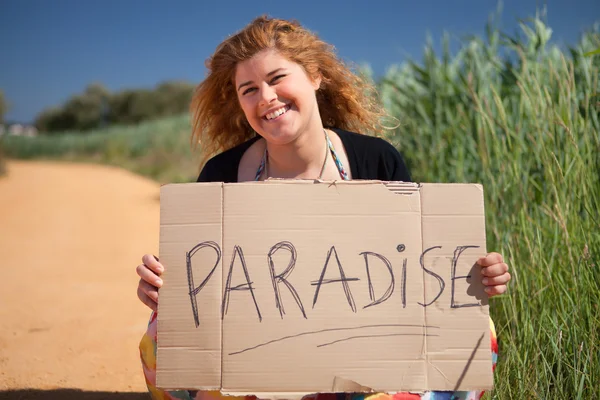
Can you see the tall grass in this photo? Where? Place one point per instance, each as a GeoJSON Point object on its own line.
{"type": "Point", "coordinates": [521, 117]}
{"type": "Point", "coordinates": [156, 149]}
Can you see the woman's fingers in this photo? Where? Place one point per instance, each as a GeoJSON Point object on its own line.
{"type": "Point", "coordinates": [494, 274]}
{"type": "Point", "coordinates": [495, 270]}
{"type": "Point", "coordinates": [150, 270]}
{"type": "Point", "coordinates": [145, 298]}
{"type": "Point", "coordinates": [496, 280]}
{"type": "Point", "coordinates": [153, 264]}
{"type": "Point", "coordinates": [148, 275]}
{"type": "Point", "coordinates": [150, 290]}
{"type": "Point", "coordinates": [495, 290]}
{"type": "Point", "coordinates": [491, 259]}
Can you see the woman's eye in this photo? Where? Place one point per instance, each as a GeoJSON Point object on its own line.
{"type": "Point", "coordinates": [247, 91]}
{"type": "Point", "coordinates": [277, 78]}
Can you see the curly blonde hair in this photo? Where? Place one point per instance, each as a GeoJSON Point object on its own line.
{"type": "Point", "coordinates": [345, 100]}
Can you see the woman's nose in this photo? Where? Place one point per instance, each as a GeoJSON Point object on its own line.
{"type": "Point", "coordinates": [267, 94]}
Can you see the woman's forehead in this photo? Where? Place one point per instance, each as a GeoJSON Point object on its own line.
{"type": "Point", "coordinates": [262, 63]}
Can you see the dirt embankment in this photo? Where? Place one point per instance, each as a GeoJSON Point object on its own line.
{"type": "Point", "coordinates": [70, 238]}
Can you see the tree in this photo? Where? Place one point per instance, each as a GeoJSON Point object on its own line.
{"type": "Point", "coordinates": [131, 107]}
{"type": "Point", "coordinates": [54, 120]}
{"type": "Point", "coordinates": [96, 107]}
{"type": "Point", "coordinates": [89, 109]}
{"type": "Point", "coordinates": [3, 106]}
{"type": "Point", "coordinates": [174, 97]}
{"type": "Point", "coordinates": [82, 112]}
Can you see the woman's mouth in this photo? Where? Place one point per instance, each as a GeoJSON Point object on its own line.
{"type": "Point", "coordinates": [277, 113]}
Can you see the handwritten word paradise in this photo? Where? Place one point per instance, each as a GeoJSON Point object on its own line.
{"type": "Point", "coordinates": [281, 278]}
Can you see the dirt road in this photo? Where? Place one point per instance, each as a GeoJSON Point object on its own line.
{"type": "Point", "coordinates": [70, 238]}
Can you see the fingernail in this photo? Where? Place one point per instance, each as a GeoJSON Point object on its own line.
{"type": "Point", "coordinates": [485, 281]}
{"type": "Point", "coordinates": [159, 281]}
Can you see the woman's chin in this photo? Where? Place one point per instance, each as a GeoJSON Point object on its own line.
{"type": "Point", "coordinates": [279, 138]}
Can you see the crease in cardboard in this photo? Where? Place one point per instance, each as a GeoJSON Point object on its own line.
{"type": "Point", "coordinates": [222, 270]}
{"type": "Point", "coordinates": [424, 347]}
{"type": "Point", "coordinates": [166, 346]}
{"type": "Point", "coordinates": [438, 370]}
{"type": "Point", "coordinates": [185, 224]}
{"type": "Point", "coordinates": [347, 385]}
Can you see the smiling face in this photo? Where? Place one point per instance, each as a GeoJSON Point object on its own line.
{"type": "Point", "coordinates": [277, 97]}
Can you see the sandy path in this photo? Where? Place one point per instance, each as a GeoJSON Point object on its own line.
{"type": "Point", "coordinates": [70, 238]}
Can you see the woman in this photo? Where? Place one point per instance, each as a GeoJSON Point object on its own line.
{"type": "Point", "coordinates": [278, 103]}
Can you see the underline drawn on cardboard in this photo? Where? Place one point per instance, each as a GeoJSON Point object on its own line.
{"type": "Point", "coordinates": [335, 330]}
{"type": "Point", "coordinates": [374, 336]}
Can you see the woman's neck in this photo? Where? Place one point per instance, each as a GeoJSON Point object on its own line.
{"type": "Point", "coordinates": [302, 158]}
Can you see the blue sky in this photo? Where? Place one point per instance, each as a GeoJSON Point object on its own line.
{"type": "Point", "coordinates": [52, 49]}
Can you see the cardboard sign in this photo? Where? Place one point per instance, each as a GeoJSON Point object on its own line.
{"type": "Point", "coordinates": [288, 288]}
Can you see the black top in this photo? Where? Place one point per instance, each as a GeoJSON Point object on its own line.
{"type": "Point", "coordinates": [370, 158]}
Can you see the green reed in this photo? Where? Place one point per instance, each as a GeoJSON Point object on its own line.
{"type": "Point", "coordinates": [521, 117]}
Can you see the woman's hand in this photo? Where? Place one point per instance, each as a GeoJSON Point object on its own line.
{"type": "Point", "coordinates": [149, 272]}
{"type": "Point", "coordinates": [494, 273]}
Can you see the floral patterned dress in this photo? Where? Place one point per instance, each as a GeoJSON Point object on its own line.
{"type": "Point", "coordinates": [148, 357]}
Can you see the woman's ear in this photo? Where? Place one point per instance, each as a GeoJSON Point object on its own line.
{"type": "Point", "coordinates": [317, 81]}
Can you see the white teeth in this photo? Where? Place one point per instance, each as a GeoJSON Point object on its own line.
{"type": "Point", "coordinates": [277, 113]}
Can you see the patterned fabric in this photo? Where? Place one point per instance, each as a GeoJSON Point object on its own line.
{"type": "Point", "coordinates": [336, 159]}
{"type": "Point", "coordinates": [148, 357]}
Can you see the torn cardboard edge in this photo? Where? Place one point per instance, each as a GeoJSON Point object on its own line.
{"type": "Point", "coordinates": [340, 385]}
{"type": "Point", "coordinates": [173, 332]}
